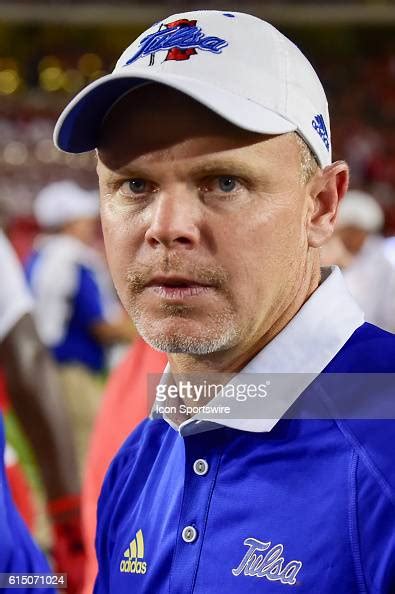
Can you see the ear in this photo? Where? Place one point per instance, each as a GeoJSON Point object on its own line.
{"type": "Point", "coordinates": [326, 190]}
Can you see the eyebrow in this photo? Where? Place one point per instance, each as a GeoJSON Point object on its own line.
{"type": "Point", "coordinates": [212, 167]}
{"type": "Point", "coordinates": [229, 166]}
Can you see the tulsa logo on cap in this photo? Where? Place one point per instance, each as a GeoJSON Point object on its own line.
{"type": "Point", "coordinates": [180, 38]}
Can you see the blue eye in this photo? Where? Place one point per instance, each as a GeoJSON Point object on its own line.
{"type": "Point", "coordinates": [137, 186]}
{"type": "Point", "coordinates": [226, 183]}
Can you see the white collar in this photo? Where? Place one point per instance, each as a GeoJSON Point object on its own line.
{"type": "Point", "coordinates": [305, 347]}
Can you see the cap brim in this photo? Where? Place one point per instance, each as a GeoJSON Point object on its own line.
{"type": "Point", "coordinates": [78, 128]}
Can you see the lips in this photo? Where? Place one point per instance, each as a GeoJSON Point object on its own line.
{"type": "Point", "coordinates": [174, 281]}
{"type": "Point", "coordinates": [177, 287]}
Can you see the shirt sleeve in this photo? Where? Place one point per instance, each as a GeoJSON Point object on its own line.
{"type": "Point", "coordinates": [15, 297]}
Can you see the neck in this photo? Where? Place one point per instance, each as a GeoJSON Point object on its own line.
{"type": "Point", "coordinates": [235, 359]}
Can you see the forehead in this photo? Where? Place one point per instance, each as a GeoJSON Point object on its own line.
{"type": "Point", "coordinates": [155, 120]}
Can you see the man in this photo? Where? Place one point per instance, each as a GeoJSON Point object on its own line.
{"type": "Point", "coordinates": [360, 250]}
{"type": "Point", "coordinates": [34, 392]}
{"type": "Point", "coordinates": [76, 316]}
{"type": "Point", "coordinates": [217, 189]}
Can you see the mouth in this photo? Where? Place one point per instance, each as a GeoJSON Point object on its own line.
{"type": "Point", "coordinates": [177, 288]}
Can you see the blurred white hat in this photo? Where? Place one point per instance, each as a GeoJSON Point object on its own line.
{"type": "Point", "coordinates": [61, 202]}
{"type": "Point", "coordinates": [360, 209]}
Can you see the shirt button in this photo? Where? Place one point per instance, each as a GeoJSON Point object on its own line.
{"type": "Point", "coordinates": [189, 534]}
{"type": "Point", "coordinates": [200, 467]}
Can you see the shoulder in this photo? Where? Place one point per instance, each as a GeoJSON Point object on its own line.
{"type": "Point", "coordinates": [372, 441]}
{"type": "Point", "coordinates": [363, 374]}
{"type": "Point", "coordinates": [369, 350]}
{"type": "Point", "coordinates": [148, 432]}
{"type": "Point", "coordinates": [54, 257]}
{"type": "Point", "coordinates": [140, 450]}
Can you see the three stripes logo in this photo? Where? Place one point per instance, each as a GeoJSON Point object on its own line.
{"type": "Point", "coordinates": [319, 126]}
{"type": "Point", "coordinates": [131, 563]}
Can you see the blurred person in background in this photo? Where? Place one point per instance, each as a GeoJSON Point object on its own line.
{"type": "Point", "coordinates": [33, 388]}
{"type": "Point", "coordinates": [74, 301]}
{"type": "Point", "coordinates": [359, 249]}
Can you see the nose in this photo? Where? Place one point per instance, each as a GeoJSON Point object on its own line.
{"type": "Point", "coordinates": [174, 222]}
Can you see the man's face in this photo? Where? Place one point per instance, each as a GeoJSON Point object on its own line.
{"type": "Point", "coordinates": [204, 223]}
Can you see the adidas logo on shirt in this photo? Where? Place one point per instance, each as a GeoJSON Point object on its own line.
{"type": "Point", "coordinates": [135, 551]}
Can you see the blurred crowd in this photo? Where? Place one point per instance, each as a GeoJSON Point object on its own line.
{"type": "Point", "coordinates": [363, 117]}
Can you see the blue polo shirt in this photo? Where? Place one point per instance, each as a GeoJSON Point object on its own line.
{"type": "Point", "coordinates": [18, 553]}
{"type": "Point", "coordinates": [260, 505]}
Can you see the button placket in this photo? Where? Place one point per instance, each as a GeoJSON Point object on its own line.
{"type": "Point", "coordinates": [202, 457]}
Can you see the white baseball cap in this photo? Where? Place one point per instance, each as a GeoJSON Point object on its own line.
{"type": "Point", "coordinates": [235, 64]}
{"type": "Point", "coordinates": [62, 202]}
{"type": "Point", "coordinates": [360, 209]}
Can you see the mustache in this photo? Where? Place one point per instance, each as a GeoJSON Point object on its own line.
{"type": "Point", "coordinates": [139, 275]}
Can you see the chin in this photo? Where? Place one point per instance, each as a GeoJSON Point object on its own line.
{"type": "Point", "coordinates": [176, 336]}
